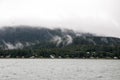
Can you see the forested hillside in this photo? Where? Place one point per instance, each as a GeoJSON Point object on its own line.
{"type": "Point", "coordinates": [25, 41]}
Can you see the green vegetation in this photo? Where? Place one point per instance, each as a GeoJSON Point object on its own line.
{"type": "Point", "coordinates": [29, 42]}
{"type": "Point", "coordinates": [66, 52]}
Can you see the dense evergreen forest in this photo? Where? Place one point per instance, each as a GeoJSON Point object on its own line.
{"type": "Point", "coordinates": [29, 42]}
{"type": "Point", "coordinates": [68, 52]}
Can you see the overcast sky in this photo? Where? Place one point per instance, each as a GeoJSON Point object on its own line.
{"type": "Point", "coordinates": [96, 16]}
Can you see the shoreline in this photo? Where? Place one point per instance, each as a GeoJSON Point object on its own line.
{"type": "Point", "coordinates": [64, 58]}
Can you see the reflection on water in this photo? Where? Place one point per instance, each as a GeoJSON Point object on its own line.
{"type": "Point", "coordinates": [59, 69]}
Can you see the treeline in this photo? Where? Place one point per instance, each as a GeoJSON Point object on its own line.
{"type": "Point", "coordinates": [83, 51]}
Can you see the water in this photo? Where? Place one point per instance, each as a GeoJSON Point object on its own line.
{"type": "Point", "coordinates": [59, 69]}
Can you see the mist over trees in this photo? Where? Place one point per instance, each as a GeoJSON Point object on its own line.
{"type": "Point", "coordinates": [29, 42]}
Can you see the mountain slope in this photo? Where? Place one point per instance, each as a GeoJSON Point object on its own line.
{"type": "Point", "coordinates": [28, 37]}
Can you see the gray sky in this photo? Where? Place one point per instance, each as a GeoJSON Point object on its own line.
{"type": "Point", "coordinates": [96, 16]}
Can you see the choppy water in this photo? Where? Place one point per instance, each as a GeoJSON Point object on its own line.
{"type": "Point", "coordinates": [59, 69]}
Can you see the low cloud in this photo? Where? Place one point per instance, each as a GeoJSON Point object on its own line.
{"type": "Point", "coordinates": [10, 46]}
{"type": "Point", "coordinates": [66, 40]}
{"type": "Point", "coordinates": [69, 39]}
{"type": "Point", "coordinates": [57, 40]}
